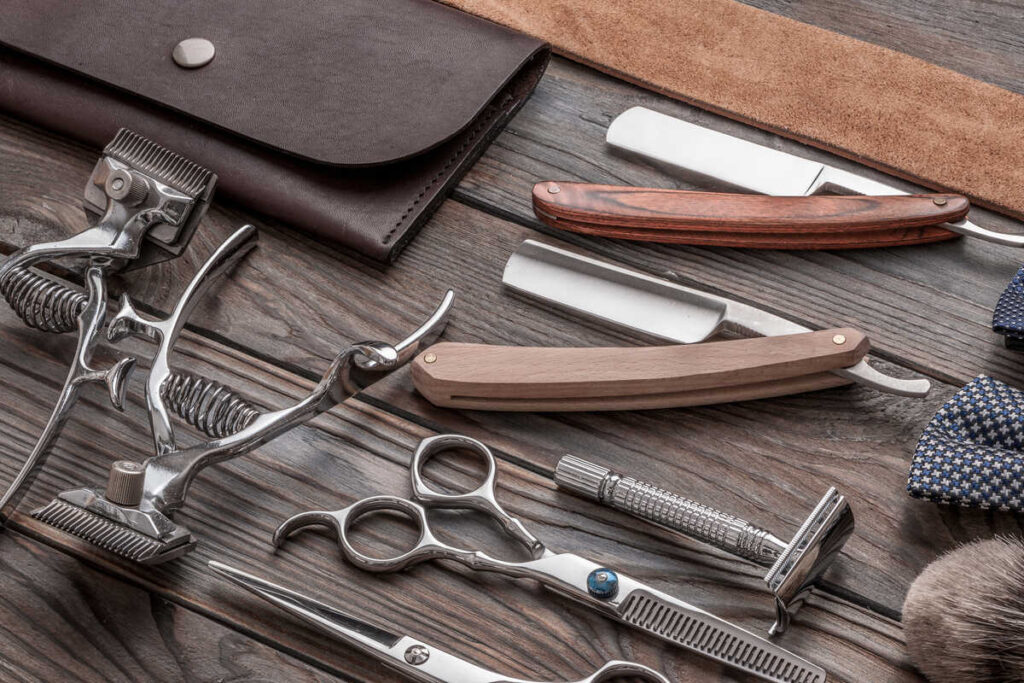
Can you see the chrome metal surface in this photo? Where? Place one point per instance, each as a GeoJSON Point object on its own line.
{"type": "Point", "coordinates": [794, 566]}
{"type": "Point", "coordinates": [417, 660]}
{"type": "Point", "coordinates": [150, 201]}
{"type": "Point", "coordinates": [193, 53]}
{"type": "Point", "coordinates": [146, 533]}
{"type": "Point", "coordinates": [659, 308]}
{"type": "Point", "coordinates": [719, 159]}
{"type": "Point", "coordinates": [565, 573]}
{"type": "Point", "coordinates": [81, 372]}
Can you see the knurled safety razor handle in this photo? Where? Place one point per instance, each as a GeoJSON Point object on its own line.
{"type": "Point", "coordinates": [521, 378]}
{"type": "Point", "coordinates": [793, 567]}
{"type": "Point", "coordinates": [670, 510]}
{"type": "Point", "coordinates": [747, 220]}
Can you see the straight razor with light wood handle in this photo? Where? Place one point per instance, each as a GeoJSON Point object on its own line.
{"type": "Point", "coordinates": [741, 165]}
{"type": "Point", "coordinates": [782, 357]}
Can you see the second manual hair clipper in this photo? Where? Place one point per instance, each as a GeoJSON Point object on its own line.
{"type": "Point", "coordinates": [149, 201]}
{"type": "Point", "coordinates": [132, 516]}
{"type": "Point", "coordinates": [793, 566]}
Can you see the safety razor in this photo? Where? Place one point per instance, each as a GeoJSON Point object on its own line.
{"type": "Point", "coordinates": [131, 516]}
{"type": "Point", "coordinates": [794, 567]}
{"type": "Point", "coordinates": [146, 202]}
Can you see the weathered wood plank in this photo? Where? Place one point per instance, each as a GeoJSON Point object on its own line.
{"type": "Point", "coordinates": [927, 307]}
{"type": "Point", "coordinates": [61, 620]}
{"type": "Point", "coordinates": [296, 302]}
{"type": "Point", "coordinates": [357, 450]}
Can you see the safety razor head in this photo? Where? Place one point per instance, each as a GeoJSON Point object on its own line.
{"type": "Point", "coordinates": [143, 536]}
{"type": "Point", "coordinates": [137, 175]}
{"type": "Point", "coordinates": [808, 555]}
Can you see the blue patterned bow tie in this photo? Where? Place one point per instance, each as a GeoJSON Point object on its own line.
{"type": "Point", "coordinates": [1008, 318]}
{"type": "Point", "coordinates": [970, 453]}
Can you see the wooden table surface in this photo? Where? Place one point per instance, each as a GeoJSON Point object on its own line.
{"type": "Point", "coordinates": [70, 612]}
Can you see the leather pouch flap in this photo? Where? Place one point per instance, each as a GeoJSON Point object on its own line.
{"type": "Point", "coordinates": [348, 83]}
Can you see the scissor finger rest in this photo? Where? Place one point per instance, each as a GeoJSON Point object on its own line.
{"type": "Point", "coordinates": [617, 668]}
{"type": "Point", "coordinates": [481, 499]}
{"type": "Point", "coordinates": [427, 547]}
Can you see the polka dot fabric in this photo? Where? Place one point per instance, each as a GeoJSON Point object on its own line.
{"type": "Point", "coordinates": [970, 453]}
{"type": "Point", "coordinates": [1008, 318]}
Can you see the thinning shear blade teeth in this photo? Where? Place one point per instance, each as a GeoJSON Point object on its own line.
{"type": "Point", "coordinates": [302, 521]}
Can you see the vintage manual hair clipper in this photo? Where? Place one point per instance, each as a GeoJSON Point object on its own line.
{"type": "Point", "coordinates": [414, 658]}
{"type": "Point", "coordinates": [132, 517]}
{"type": "Point", "coordinates": [793, 566]}
{"type": "Point", "coordinates": [149, 201]}
{"type": "Point", "coordinates": [779, 357]}
{"type": "Point", "coordinates": [794, 215]}
{"type": "Point", "coordinates": [602, 589]}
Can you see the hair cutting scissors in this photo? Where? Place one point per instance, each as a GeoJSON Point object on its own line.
{"type": "Point", "coordinates": [605, 590]}
{"type": "Point", "coordinates": [416, 659]}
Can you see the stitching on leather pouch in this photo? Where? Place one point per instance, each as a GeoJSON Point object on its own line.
{"type": "Point", "coordinates": [470, 139]}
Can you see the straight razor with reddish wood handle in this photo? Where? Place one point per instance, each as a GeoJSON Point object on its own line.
{"type": "Point", "coordinates": [746, 220]}
{"type": "Point", "coordinates": [721, 160]}
{"type": "Point", "coordinates": [779, 357]}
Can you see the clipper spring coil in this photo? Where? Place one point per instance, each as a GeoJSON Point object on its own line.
{"type": "Point", "coordinates": [42, 303]}
{"type": "Point", "coordinates": [210, 407]}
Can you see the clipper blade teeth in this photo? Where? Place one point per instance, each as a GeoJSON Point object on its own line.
{"type": "Point", "coordinates": [159, 163]}
{"type": "Point", "coordinates": [99, 531]}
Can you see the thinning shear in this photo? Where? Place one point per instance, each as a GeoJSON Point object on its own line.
{"type": "Point", "coordinates": [605, 590]}
{"type": "Point", "coordinates": [412, 657]}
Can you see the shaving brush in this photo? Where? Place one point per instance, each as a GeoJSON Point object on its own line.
{"type": "Point", "coordinates": [964, 615]}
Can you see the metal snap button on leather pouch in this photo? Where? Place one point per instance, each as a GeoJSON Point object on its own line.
{"type": "Point", "coordinates": [193, 53]}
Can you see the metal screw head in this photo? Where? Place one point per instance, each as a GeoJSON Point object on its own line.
{"type": "Point", "coordinates": [554, 189]}
{"type": "Point", "coordinates": [430, 358]}
{"type": "Point", "coordinates": [839, 339]}
{"type": "Point", "coordinates": [417, 654]}
{"type": "Point", "coordinates": [193, 53]}
{"type": "Point", "coordinates": [603, 583]}
{"type": "Point", "coordinates": [939, 201]}
{"type": "Point", "coordinates": [126, 187]}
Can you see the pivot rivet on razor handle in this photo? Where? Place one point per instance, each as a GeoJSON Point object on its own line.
{"type": "Point", "coordinates": [794, 566]}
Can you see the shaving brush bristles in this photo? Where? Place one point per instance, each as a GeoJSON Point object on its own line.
{"type": "Point", "coordinates": [964, 615]}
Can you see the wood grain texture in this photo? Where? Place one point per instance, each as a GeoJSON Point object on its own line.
{"type": "Point", "coordinates": [535, 378]}
{"type": "Point", "coordinates": [743, 220]}
{"type": "Point", "coordinates": [356, 450]}
{"type": "Point", "coordinates": [295, 302]}
{"type": "Point", "coordinates": [62, 620]}
{"type": "Point", "coordinates": [928, 307]}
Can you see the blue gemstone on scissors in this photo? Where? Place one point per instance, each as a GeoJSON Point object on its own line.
{"type": "Point", "coordinates": [603, 583]}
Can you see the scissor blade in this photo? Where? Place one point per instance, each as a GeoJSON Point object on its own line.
{"type": "Point", "coordinates": [416, 659]}
{"type": "Point", "coordinates": [328, 618]}
{"type": "Point", "coordinates": [693, 628]}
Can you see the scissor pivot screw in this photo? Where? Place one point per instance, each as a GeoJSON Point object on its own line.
{"type": "Point", "coordinates": [939, 201]}
{"type": "Point", "coordinates": [417, 654]}
{"type": "Point", "coordinates": [603, 583]}
{"type": "Point", "coordinates": [839, 339]}
{"type": "Point", "coordinates": [430, 358]}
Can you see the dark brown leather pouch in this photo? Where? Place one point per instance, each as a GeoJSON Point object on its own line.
{"type": "Point", "coordinates": [349, 120]}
